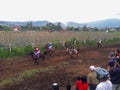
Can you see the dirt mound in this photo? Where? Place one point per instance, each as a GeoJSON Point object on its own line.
{"type": "Point", "coordinates": [65, 68]}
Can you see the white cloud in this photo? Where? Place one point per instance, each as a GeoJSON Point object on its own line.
{"type": "Point", "coordinates": [59, 10]}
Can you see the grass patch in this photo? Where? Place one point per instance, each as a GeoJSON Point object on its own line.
{"type": "Point", "coordinates": [27, 74]}
{"type": "Point", "coordinates": [22, 76]}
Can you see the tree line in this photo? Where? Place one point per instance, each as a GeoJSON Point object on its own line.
{"type": "Point", "coordinates": [55, 27]}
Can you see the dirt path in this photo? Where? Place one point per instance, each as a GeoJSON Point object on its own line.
{"type": "Point", "coordinates": [62, 73]}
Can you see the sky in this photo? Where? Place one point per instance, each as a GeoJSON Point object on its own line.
{"type": "Point", "coordinates": [81, 11]}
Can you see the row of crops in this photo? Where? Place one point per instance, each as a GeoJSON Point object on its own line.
{"type": "Point", "coordinates": [19, 43]}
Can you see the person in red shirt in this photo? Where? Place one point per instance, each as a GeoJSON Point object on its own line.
{"type": "Point", "coordinates": [84, 84]}
{"type": "Point", "coordinates": [78, 83]}
{"type": "Point", "coordinates": [81, 83]}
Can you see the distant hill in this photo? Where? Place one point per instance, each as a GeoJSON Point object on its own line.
{"type": "Point", "coordinates": [99, 24]}
{"type": "Point", "coordinates": [74, 24]}
{"type": "Point", "coordinates": [105, 23]}
{"type": "Point", "coordinates": [35, 23]}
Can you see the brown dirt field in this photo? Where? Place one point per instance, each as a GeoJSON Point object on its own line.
{"type": "Point", "coordinates": [62, 73]}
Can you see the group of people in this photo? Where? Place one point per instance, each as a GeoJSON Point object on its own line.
{"type": "Point", "coordinates": [99, 78]}
{"type": "Point", "coordinates": [49, 46]}
{"type": "Point", "coordinates": [103, 79]}
{"type": "Point", "coordinates": [36, 53]}
{"type": "Point", "coordinates": [37, 50]}
{"type": "Point", "coordinates": [114, 69]}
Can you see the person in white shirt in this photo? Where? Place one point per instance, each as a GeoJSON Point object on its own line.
{"type": "Point", "coordinates": [103, 77]}
{"type": "Point", "coordinates": [99, 43]}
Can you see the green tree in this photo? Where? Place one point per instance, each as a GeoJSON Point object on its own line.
{"type": "Point", "coordinates": [59, 27]}
{"type": "Point", "coordinates": [85, 28]}
{"type": "Point", "coordinates": [29, 25]}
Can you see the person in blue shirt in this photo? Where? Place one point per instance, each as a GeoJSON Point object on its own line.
{"type": "Point", "coordinates": [50, 45]}
{"type": "Point", "coordinates": [111, 61]}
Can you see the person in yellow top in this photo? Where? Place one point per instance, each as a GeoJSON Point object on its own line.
{"type": "Point", "coordinates": [91, 78]}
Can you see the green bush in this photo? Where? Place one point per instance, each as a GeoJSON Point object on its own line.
{"type": "Point", "coordinates": [17, 51]}
{"type": "Point", "coordinates": [90, 43]}
{"type": "Point", "coordinates": [4, 53]}
{"type": "Point", "coordinates": [111, 41]}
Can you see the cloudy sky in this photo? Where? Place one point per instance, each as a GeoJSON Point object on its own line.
{"type": "Point", "coordinates": [59, 10]}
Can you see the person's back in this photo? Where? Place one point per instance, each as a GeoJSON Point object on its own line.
{"type": "Point", "coordinates": [91, 78]}
{"type": "Point", "coordinates": [102, 76]}
{"type": "Point", "coordinates": [106, 85]}
{"type": "Point", "coordinates": [84, 84]}
{"type": "Point", "coordinates": [55, 86]}
{"type": "Point", "coordinates": [68, 86]}
{"type": "Point", "coordinates": [78, 83]}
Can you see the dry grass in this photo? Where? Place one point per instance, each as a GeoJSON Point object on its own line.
{"type": "Point", "coordinates": [41, 38]}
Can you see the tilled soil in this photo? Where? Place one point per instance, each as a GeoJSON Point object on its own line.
{"type": "Point", "coordinates": [64, 69]}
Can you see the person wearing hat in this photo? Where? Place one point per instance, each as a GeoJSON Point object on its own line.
{"type": "Point", "coordinates": [91, 78]}
{"type": "Point", "coordinates": [103, 77]}
{"type": "Point", "coordinates": [55, 86]}
{"type": "Point", "coordinates": [36, 54]}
